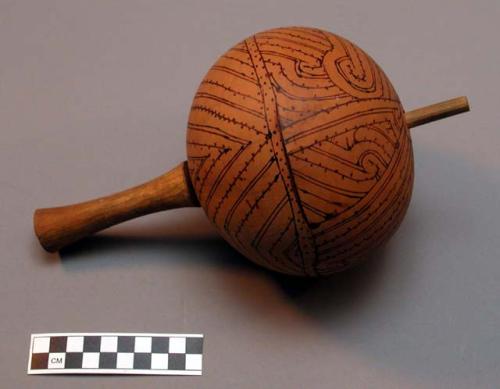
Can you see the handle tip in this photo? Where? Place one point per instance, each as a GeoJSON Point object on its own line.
{"type": "Point", "coordinates": [41, 225]}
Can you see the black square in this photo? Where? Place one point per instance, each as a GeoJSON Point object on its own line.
{"type": "Point", "coordinates": [126, 344]}
{"type": "Point", "coordinates": [159, 344]}
{"type": "Point", "coordinates": [92, 344]}
{"type": "Point", "coordinates": [194, 345]}
{"type": "Point", "coordinates": [142, 361]}
{"type": "Point", "coordinates": [107, 361]}
{"type": "Point", "coordinates": [176, 361]}
{"type": "Point", "coordinates": [73, 361]}
{"type": "Point", "coordinates": [58, 344]}
{"type": "Point", "coordinates": [40, 361]}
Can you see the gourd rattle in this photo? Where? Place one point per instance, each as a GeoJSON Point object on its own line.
{"type": "Point", "coordinates": [298, 150]}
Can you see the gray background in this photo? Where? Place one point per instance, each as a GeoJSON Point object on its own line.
{"type": "Point", "coordinates": [94, 97]}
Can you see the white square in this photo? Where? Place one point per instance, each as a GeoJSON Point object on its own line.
{"type": "Point", "coordinates": [109, 344]}
{"type": "Point", "coordinates": [74, 344]}
{"type": "Point", "coordinates": [142, 344]}
{"type": "Point", "coordinates": [193, 361]}
{"type": "Point", "coordinates": [56, 360]}
{"type": "Point", "coordinates": [90, 361]}
{"type": "Point", "coordinates": [125, 361]}
{"type": "Point", "coordinates": [41, 345]}
{"type": "Point", "coordinates": [159, 361]}
{"type": "Point", "coordinates": [177, 345]}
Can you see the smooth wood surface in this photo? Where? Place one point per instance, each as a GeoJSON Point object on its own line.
{"type": "Point", "coordinates": [61, 226]}
{"type": "Point", "coordinates": [437, 111]}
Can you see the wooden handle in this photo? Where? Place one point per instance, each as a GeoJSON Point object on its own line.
{"type": "Point", "coordinates": [61, 226]}
{"type": "Point", "coordinates": [437, 111]}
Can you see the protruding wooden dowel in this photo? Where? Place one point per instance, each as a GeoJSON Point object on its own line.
{"type": "Point", "coordinates": [61, 226]}
{"type": "Point", "coordinates": [437, 111]}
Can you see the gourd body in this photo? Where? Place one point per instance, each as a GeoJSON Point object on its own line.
{"type": "Point", "coordinates": [299, 152]}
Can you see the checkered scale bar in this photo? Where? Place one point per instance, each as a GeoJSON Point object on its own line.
{"type": "Point", "coordinates": [113, 353]}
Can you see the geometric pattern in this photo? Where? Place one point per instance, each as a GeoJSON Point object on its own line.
{"type": "Point", "coordinates": [299, 152]}
{"type": "Point", "coordinates": [116, 354]}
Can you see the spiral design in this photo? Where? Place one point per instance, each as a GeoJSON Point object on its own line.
{"type": "Point", "coordinates": [299, 152]}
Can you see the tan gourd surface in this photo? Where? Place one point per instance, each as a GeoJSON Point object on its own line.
{"type": "Point", "coordinates": [299, 152]}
